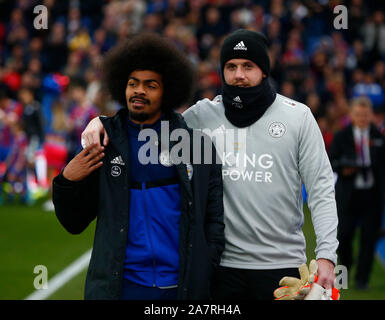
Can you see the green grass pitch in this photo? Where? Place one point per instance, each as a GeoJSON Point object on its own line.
{"type": "Point", "coordinates": [30, 236]}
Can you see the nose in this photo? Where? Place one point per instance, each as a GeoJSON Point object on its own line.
{"type": "Point", "coordinates": [239, 74]}
{"type": "Point", "coordinates": [140, 90]}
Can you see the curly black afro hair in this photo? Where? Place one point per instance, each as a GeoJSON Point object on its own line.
{"type": "Point", "coordinates": [148, 51]}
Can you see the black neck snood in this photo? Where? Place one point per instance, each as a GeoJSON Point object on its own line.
{"type": "Point", "coordinates": [244, 106]}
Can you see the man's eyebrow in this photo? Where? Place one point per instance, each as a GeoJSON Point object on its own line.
{"type": "Point", "coordinates": [146, 80]}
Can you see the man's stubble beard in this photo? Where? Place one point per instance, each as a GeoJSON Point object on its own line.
{"type": "Point", "coordinates": [138, 116]}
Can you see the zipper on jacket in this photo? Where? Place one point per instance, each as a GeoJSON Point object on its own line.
{"type": "Point", "coordinates": [149, 236]}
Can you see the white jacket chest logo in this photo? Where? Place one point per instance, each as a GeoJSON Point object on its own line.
{"type": "Point", "coordinates": [277, 129]}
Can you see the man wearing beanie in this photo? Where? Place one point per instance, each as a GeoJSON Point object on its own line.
{"type": "Point", "coordinates": [269, 145]}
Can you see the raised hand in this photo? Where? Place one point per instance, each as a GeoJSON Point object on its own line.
{"type": "Point", "coordinates": [84, 163]}
{"type": "Point", "coordinates": [92, 132]}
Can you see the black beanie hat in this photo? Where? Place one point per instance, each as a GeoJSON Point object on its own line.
{"type": "Point", "coordinates": [246, 44]}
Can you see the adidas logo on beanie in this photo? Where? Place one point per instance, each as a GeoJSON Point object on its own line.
{"type": "Point", "coordinates": [240, 46]}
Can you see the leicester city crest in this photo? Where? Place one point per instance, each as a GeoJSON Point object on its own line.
{"type": "Point", "coordinates": [277, 129]}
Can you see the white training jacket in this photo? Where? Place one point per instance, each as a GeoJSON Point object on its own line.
{"type": "Point", "coordinates": [264, 166]}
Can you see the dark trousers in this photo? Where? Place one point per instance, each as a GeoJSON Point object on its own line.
{"type": "Point", "coordinates": [363, 211]}
{"type": "Point", "coordinates": [133, 291]}
{"type": "Point", "coordinates": [245, 284]}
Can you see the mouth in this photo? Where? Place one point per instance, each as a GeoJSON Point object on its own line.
{"type": "Point", "coordinates": [139, 102]}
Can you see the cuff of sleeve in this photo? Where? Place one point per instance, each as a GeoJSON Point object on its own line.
{"type": "Point", "coordinates": [64, 182]}
{"type": "Point", "coordinates": [327, 255]}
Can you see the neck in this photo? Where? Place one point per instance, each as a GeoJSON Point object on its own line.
{"type": "Point", "coordinates": [244, 106]}
{"type": "Point", "coordinates": [148, 121]}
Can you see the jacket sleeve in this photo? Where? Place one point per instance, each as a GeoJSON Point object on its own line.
{"type": "Point", "coordinates": [317, 175]}
{"type": "Point", "coordinates": [214, 224]}
{"type": "Point", "coordinates": [192, 117]}
{"type": "Point", "coordinates": [76, 203]}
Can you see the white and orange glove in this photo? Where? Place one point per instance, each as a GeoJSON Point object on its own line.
{"type": "Point", "coordinates": [305, 288]}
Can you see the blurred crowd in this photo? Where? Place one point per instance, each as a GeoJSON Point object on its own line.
{"type": "Point", "coordinates": [50, 79]}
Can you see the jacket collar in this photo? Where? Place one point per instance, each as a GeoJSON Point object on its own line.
{"type": "Point", "coordinates": [116, 128]}
{"type": "Point", "coordinates": [372, 130]}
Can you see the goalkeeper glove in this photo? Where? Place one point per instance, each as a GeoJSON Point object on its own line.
{"type": "Point", "coordinates": [305, 288]}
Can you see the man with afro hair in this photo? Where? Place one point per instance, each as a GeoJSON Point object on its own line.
{"type": "Point", "coordinates": [160, 230]}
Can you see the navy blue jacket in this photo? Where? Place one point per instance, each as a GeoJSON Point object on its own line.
{"type": "Point", "coordinates": [105, 195]}
{"type": "Point", "coordinates": [152, 251]}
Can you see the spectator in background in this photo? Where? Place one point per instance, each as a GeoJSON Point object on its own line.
{"type": "Point", "coordinates": [379, 112]}
{"type": "Point", "coordinates": [100, 40]}
{"type": "Point", "coordinates": [368, 87]}
{"type": "Point", "coordinates": [35, 67]}
{"type": "Point", "coordinates": [314, 103]}
{"type": "Point", "coordinates": [379, 73]}
{"type": "Point", "coordinates": [35, 49]}
{"type": "Point", "coordinates": [357, 14]}
{"type": "Point", "coordinates": [16, 164]}
{"type": "Point", "coordinates": [56, 48]}
{"type": "Point", "coordinates": [211, 29]}
{"type": "Point", "coordinates": [379, 119]}
{"type": "Point", "coordinates": [356, 58]}
{"type": "Point", "coordinates": [82, 111]}
{"type": "Point", "coordinates": [53, 86]}
{"type": "Point", "coordinates": [33, 122]}
{"type": "Point", "coordinates": [17, 32]}
{"type": "Point", "coordinates": [318, 64]}
{"type": "Point", "coordinates": [11, 76]}
{"type": "Point", "coordinates": [326, 132]}
{"type": "Point", "coordinates": [10, 112]}
{"type": "Point", "coordinates": [357, 155]}
{"type": "Point", "coordinates": [212, 23]}
{"type": "Point", "coordinates": [74, 69]}
{"type": "Point", "coordinates": [56, 147]}
{"type": "Point", "coordinates": [373, 33]}
{"type": "Point", "coordinates": [80, 41]}
{"type": "Point", "coordinates": [288, 90]}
